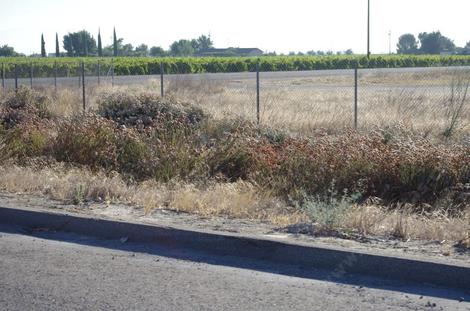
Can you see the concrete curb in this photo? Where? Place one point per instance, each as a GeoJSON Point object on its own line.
{"type": "Point", "coordinates": [339, 261]}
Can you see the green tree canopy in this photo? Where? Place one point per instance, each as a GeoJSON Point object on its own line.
{"type": "Point", "coordinates": [407, 44]}
{"type": "Point", "coordinates": [466, 49]}
{"type": "Point", "coordinates": [7, 51]}
{"type": "Point", "coordinates": [203, 43]}
{"type": "Point", "coordinates": [182, 47]}
{"type": "Point", "coordinates": [185, 47]}
{"type": "Point", "coordinates": [79, 43]}
{"type": "Point", "coordinates": [126, 49]}
{"type": "Point", "coordinates": [114, 49]}
{"type": "Point", "coordinates": [141, 50]}
{"type": "Point", "coordinates": [157, 51]}
{"type": "Point", "coordinates": [435, 43]}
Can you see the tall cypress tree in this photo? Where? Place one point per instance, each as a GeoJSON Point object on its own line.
{"type": "Point", "coordinates": [85, 44]}
{"type": "Point", "coordinates": [100, 48]}
{"type": "Point", "coordinates": [43, 46]}
{"type": "Point", "coordinates": [57, 51]}
{"type": "Point", "coordinates": [115, 47]}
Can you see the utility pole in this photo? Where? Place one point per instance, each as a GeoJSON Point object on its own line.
{"type": "Point", "coordinates": [390, 42]}
{"type": "Point", "coordinates": [368, 28]}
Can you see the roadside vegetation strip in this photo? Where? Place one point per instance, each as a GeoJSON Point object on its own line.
{"type": "Point", "coordinates": [242, 200]}
{"type": "Point", "coordinates": [44, 67]}
{"type": "Point", "coordinates": [318, 179]}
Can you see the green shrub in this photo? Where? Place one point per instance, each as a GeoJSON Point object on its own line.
{"type": "Point", "coordinates": [328, 211]}
{"type": "Point", "coordinates": [24, 105]}
{"type": "Point", "coordinates": [231, 159]}
{"type": "Point", "coordinates": [23, 142]}
{"type": "Point", "coordinates": [87, 140]}
{"type": "Point", "coordinates": [147, 109]}
{"type": "Point", "coordinates": [135, 157]}
{"type": "Point", "coordinates": [25, 124]}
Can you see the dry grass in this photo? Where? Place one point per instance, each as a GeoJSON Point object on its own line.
{"type": "Point", "coordinates": [395, 77]}
{"type": "Point", "coordinates": [62, 183]}
{"type": "Point", "coordinates": [237, 200]}
{"type": "Point", "coordinates": [67, 103]}
{"type": "Point", "coordinates": [417, 102]}
{"type": "Point", "coordinates": [404, 224]}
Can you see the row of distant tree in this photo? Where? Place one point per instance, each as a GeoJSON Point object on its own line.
{"type": "Point", "coordinates": [429, 43]}
{"type": "Point", "coordinates": [82, 43]}
{"type": "Point", "coordinates": [319, 53]}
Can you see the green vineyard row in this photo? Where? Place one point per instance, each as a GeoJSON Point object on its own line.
{"type": "Point", "coordinates": [48, 67]}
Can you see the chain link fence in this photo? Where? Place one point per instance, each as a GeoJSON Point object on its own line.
{"type": "Point", "coordinates": [428, 100]}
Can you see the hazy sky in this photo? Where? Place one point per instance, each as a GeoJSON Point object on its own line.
{"type": "Point", "coordinates": [282, 26]}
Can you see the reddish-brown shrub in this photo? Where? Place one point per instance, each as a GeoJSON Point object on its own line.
{"type": "Point", "coordinates": [416, 170]}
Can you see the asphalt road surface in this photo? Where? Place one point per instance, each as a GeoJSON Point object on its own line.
{"type": "Point", "coordinates": [58, 271]}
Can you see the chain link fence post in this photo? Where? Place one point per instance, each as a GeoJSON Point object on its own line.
{"type": "Point", "coordinates": [55, 76]}
{"type": "Point", "coordinates": [355, 97]}
{"type": "Point", "coordinates": [31, 68]}
{"type": "Point", "coordinates": [79, 75]}
{"type": "Point", "coordinates": [99, 71]}
{"type": "Point", "coordinates": [257, 93]}
{"type": "Point", "coordinates": [83, 86]}
{"type": "Point", "coordinates": [161, 79]}
{"type": "Point", "coordinates": [112, 71]}
{"type": "Point", "coordinates": [3, 77]}
{"type": "Point", "coordinates": [16, 77]}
